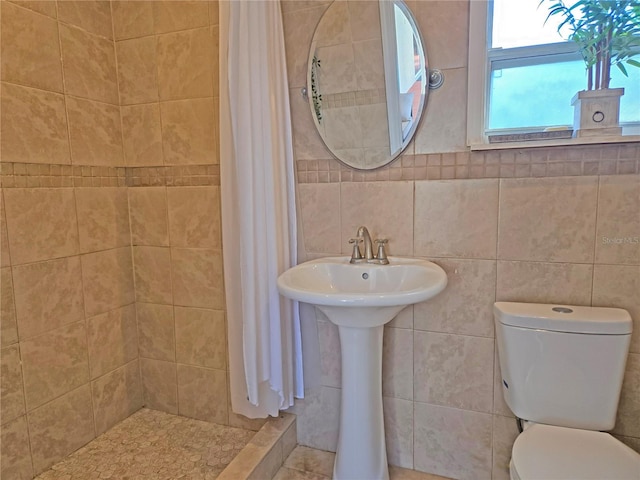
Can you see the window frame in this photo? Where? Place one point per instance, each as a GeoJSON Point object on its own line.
{"type": "Point", "coordinates": [480, 61]}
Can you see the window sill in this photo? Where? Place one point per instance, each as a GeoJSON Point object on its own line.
{"type": "Point", "coordinates": [566, 142]}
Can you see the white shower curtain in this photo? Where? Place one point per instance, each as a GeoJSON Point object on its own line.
{"type": "Point", "coordinates": [258, 209]}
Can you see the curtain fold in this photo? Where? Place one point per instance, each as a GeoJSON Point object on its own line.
{"type": "Point", "coordinates": [258, 209]}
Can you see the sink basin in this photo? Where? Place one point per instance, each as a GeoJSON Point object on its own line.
{"type": "Point", "coordinates": [362, 294]}
{"type": "Point", "coordinates": [360, 298]}
{"type": "Point", "coordinates": [334, 281]}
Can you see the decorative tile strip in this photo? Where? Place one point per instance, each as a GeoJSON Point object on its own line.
{"type": "Point", "coordinates": [173, 176]}
{"type": "Point", "coordinates": [532, 162]}
{"type": "Point", "coordinates": [351, 99]}
{"type": "Point", "coordinates": [35, 175]}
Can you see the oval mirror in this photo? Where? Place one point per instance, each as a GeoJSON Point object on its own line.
{"type": "Point", "coordinates": [367, 80]}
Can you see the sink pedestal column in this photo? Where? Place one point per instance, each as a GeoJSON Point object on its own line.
{"type": "Point", "coordinates": [361, 451]}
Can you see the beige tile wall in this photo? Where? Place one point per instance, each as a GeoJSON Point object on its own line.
{"type": "Point", "coordinates": [60, 100]}
{"type": "Point", "coordinates": [88, 86]}
{"type": "Point", "coordinates": [162, 59]}
{"type": "Point", "coordinates": [167, 68]}
{"type": "Point", "coordinates": [519, 225]}
{"type": "Point", "coordinates": [181, 316]}
{"type": "Point", "coordinates": [70, 366]}
{"type": "Point", "coordinates": [167, 73]}
{"type": "Point", "coordinates": [69, 338]}
{"type": "Point", "coordinates": [439, 358]}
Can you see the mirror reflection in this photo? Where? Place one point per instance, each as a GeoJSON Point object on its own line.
{"type": "Point", "coordinates": [367, 80]}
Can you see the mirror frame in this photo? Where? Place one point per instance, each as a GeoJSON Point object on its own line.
{"type": "Point", "coordinates": [423, 98]}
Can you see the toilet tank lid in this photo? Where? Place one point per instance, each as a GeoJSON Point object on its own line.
{"type": "Point", "coordinates": [564, 318]}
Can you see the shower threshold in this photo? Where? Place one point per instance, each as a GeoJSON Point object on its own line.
{"type": "Point", "coordinates": [154, 445]}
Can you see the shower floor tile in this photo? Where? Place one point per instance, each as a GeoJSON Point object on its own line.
{"type": "Point", "coordinates": [154, 445]}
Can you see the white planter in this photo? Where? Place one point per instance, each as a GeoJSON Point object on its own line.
{"type": "Point", "coordinates": [597, 112]}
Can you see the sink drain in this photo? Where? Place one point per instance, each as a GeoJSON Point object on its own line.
{"type": "Point", "coordinates": [365, 275]}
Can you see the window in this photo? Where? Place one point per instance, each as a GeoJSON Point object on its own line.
{"type": "Point", "coordinates": [523, 74]}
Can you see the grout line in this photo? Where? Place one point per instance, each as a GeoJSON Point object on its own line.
{"type": "Point", "coordinates": [64, 87]}
{"type": "Point", "coordinates": [135, 293]}
{"type": "Point", "coordinates": [413, 431]}
{"type": "Point", "coordinates": [80, 28]}
{"type": "Point", "coordinates": [157, 96]}
{"type": "Point", "coordinates": [26, 412]}
{"type": "Point", "coordinates": [413, 217]}
{"type": "Point", "coordinates": [595, 241]}
{"type": "Point", "coordinates": [79, 254]}
{"type": "Point", "coordinates": [165, 195]}
{"type": "Point", "coordinates": [86, 317]}
{"type": "Point", "coordinates": [159, 34]}
{"type": "Point", "coordinates": [79, 97]}
{"type": "Point", "coordinates": [117, 73]}
{"type": "Point", "coordinates": [119, 367]}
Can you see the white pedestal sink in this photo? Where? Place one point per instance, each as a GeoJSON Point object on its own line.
{"type": "Point", "coordinates": [360, 299]}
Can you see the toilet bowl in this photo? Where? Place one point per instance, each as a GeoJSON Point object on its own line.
{"type": "Point", "coordinates": [562, 371]}
{"type": "Point", "coordinates": [547, 452]}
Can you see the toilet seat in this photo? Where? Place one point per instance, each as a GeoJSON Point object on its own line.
{"type": "Point", "coordinates": [546, 452]}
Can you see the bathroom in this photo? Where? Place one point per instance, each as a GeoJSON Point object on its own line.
{"type": "Point", "coordinates": [112, 286]}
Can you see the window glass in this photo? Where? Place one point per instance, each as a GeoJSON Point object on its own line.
{"type": "Point", "coordinates": [517, 23]}
{"type": "Point", "coordinates": [532, 87]}
{"type": "Point", "coordinates": [535, 95]}
{"type": "Point", "coordinates": [630, 101]}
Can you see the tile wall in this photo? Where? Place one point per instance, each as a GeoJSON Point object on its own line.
{"type": "Point", "coordinates": [70, 367]}
{"type": "Point", "coordinates": [109, 137]}
{"type": "Point", "coordinates": [179, 290]}
{"type": "Point", "coordinates": [98, 96]}
{"type": "Point", "coordinates": [167, 71]}
{"type": "Point", "coordinates": [538, 225]}
{"type": "Point", "coordinates": [60, 102]}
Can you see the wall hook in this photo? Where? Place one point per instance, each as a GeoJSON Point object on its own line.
{"type": "Point", "coordinates": [436, 79]}
{"type": "Point", "coordinates": [303, 92]}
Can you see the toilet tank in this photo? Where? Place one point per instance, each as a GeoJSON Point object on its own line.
{"type": "Point", "coordinates": [562, 365]}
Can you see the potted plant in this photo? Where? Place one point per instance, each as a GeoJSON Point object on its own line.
{"type": "Point", "coordinates": [607, 33]}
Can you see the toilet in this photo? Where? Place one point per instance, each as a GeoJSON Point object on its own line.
{"type": "Point", "coordinates": [562, 370]}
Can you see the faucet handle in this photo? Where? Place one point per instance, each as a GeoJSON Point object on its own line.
{"type": "Point", "coordinates": [382, 254]}
{"type": "Point", "coordinates": [356, 255]}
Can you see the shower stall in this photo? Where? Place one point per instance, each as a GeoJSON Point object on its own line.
{"type": "Point", "coordinates": [111, 254]}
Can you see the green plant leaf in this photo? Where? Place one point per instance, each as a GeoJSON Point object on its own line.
{"type": "Point", "coordinates": [606, 31]}
{"type": "Point", "coordinates": [622, 69]}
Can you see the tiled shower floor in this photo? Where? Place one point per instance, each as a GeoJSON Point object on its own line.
{"type": "Point", "coordinates": [154, 445]}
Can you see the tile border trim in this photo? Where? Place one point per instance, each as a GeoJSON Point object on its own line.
{"type": "Point", "coordinates": [517, 163]}
{"type": "Point", "coordinates": [38, 175]}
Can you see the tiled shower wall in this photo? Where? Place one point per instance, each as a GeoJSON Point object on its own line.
{"type": "Point", "coordinates": [167, 67]}
{"type": "Point", "coordinates": [87, 89]}
{"type": "Point", "coordinates": [168, 75]}
{"type": "Point", "coordinates": [70, 349]}
{"type": "Point", "coordinates": [69, 338]}
{"type": "Point", "coordinates": [536, 225]}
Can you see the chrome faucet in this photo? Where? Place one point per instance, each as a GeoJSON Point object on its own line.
{"type": "Point", "coordinates": [363, 233]}
{"type": "Point", "coordinates": [369, 257]}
